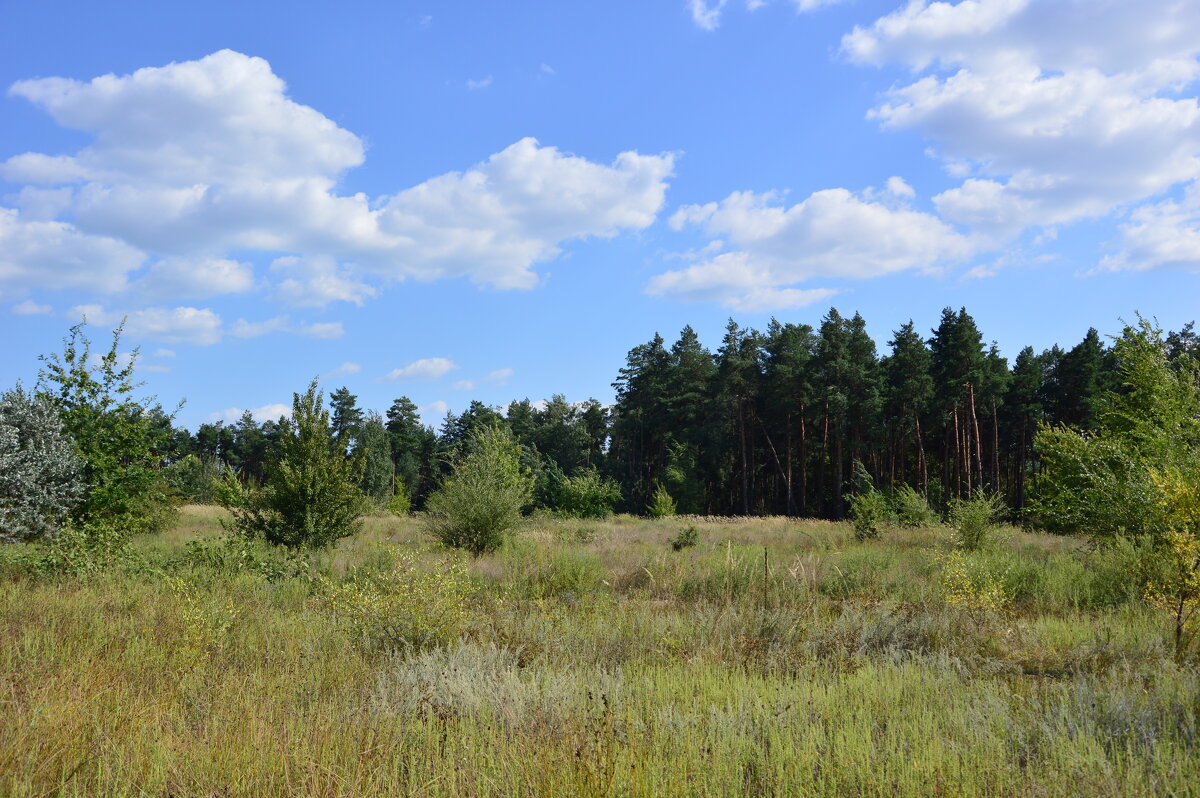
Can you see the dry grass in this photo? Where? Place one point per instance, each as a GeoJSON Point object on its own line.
{"type": "Point", "coordinates": [599, 662]}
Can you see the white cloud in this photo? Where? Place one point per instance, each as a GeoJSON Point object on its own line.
{"type": "Point", "coordinates": [429, 368]}
{"type": "Point", "coordinates": [495, 221]}
{"type": "Point", "coordinates": [56, 255]}
{"type": "Point", "coordinates": [196, 278]}
{"type": "Point", "coordinates": [482, 83]}
{"type": "Point", "coordinates": [164, 353]}
{"type": "Point", "coordinates": [269, 412]}
{"type": "Point", "coordinates": [30, 308]}
{"type": "Point", "coordinates": [195, 161]}
{"type": "Point", "coordinates": [898, 187]}
{"type": "Point", "coordinates": [345, 370]}
{"type": "Point", "coordinates": [1165, 235]}
{"type": "Point", "coordinates": [316, 281]}
{"type": "Point", "coordinates": [197, 326]}
{"type": "Point", "coordinates": [546, 69]}
{"type": "Point", "coordinates": [831, 234]}
{"type": "Point", "coordinates": [497, 377]}
{"type": "Point", "coordinates": [1053, 110]}
{"type": "Point", "coordinates": [255, 329]}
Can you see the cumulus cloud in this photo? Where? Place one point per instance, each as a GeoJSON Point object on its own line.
{"type": "Point", "coordinates": [481, 83]}
{"type": "Point", "coordinates": [494, 222]}
{"type": "Point", "coordinates": [316, 281]}
{"type": "Point", "coordinates": [831, 234]}
{"type": "Point", "coordinates": [196, 278]}
{"type": "Point", "coordinates": [429, 368]}
{"type": "Point", "coordinates": [194, 162]}
{"type": "Point", "coordinates": [1053, 111]}
{"type": "Point", "coordinates": [197, 326]}
{"type": "Point", "coordinates": [41, 254]}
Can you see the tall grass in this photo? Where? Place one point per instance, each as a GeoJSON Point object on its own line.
{"type": "Point", "coordinates": [772, 658]}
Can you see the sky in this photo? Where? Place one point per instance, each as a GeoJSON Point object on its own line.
{"type": "Point", "coordinates": [475, 200]}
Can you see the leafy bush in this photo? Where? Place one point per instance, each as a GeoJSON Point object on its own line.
{"type": "Point", "coordinates": [868, 507]}
{"type": "Point", "coordinates": [973, 519]}
{"type": "Point", "coordinates": [408, 607]}
{"type": "Point", "coordinates": [588, 495]}
{"type": "Point", "coordinates": [236, 554]}
{"type": "Point", "coordinates": [401, 502]}
{"type": "Point", "coordinates": [688, 536]}
{"type": "Point", "coordinates": [196, 479]}
{"type": "Point", "coordinates": [41, 476]}
{"type": "Point", "coordinates": [973, 584]}
{"type": "Point", "coordinates": [1177, 592]}
{"type": "Point", "coordinates": [912, 509]}
{"type": "Point", "coordinates": [78, 551]}
{"type": "Point", "coordinates": [481, 501]}
{"type": "Point", "coordinates": [1099, 482]}
{"type": "Point", "coordinates": [118, 436]}
{"type": "Point", "coordinates": [311, 498]}
{"type": "Point", "coordinates": [661, 504]}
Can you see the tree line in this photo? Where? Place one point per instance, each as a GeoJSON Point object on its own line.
{"type": "Point", "coordinates": [771, 422]}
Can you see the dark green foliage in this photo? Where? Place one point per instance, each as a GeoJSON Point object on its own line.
{"type": "Point", "coordinates": [373, 445]}
{"type": "Point", "coordinates": [347, 417]}
{"type": "Point", "coordinates": [121, 438]}
{"type": "Point", "coordinates": [688, 536]}
{"type": "Point", "coordinates": [312, 497]}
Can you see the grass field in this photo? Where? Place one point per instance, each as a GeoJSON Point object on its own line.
{"type": "Point", "coordinates": [774, 657]}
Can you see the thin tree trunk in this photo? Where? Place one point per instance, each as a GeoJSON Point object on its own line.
{"type": "Point", "coordinates": [978, 441]}
{"type": "Point", "coordinates": [922, 466]}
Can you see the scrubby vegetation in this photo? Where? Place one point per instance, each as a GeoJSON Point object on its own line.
{"type": "Point", "coordinates": [772, 657]}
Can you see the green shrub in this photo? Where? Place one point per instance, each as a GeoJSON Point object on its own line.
{"type": "Point", "coordinates": [912, 509]}
{"type": "Point", "coordinates": [312, 497]}
{"type": "Point", "coordinates": [119, 437]}
{"type": "Point", "coordinates": [974, 518]}
{"type": "Point", "coordinates": [688, 536]}
{"type": "Point", "coordinates": [411, 606]}
{"type": "Point", "coordinates": [401, 502]}
{"type": "Point", "coordinates": [236, 553]}
{"type": "Point", "coordinates": [196, 480]}
{"type": "Point", "coordinates": [481, 501]}
{"type": "Point", "coordinates": [588, 495]}
{"type": "Point", "coordinates": [661, 504]}
{"type": "Point", "coordinates": [868, 507]}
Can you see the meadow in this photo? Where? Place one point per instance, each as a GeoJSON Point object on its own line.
{"type": "Point", "coordinates": [771, 656]}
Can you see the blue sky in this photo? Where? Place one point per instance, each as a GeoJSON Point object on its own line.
{"type": "Point", "coordinates": [461, 200]}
